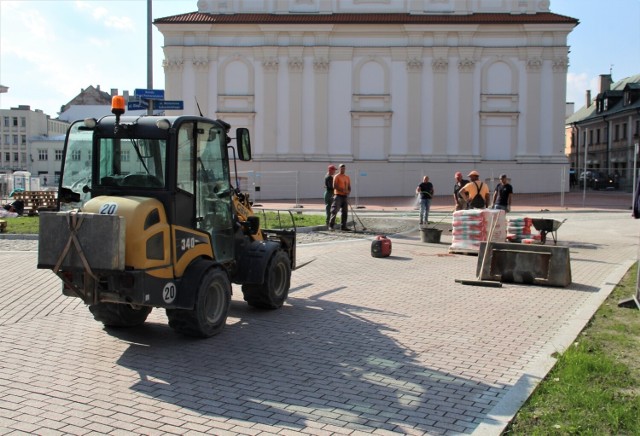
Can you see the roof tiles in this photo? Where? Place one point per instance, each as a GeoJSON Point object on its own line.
{"type": "Point", "coordinates": [366, 18]}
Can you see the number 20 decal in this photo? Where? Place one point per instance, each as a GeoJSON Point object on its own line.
{"type": "Point", "coordinates": [108, 209]}
{"type": "Point", "coordinates": [169, 293]}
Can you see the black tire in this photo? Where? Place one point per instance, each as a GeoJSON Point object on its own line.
{"type": "Point", "coordinates": [119, 315]}
{"type": "Point", "coordinates": [274, 291]}
{"type": "Point", "coordinates": [209, 315]}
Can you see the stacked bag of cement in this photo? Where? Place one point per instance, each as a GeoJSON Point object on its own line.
{"type": "Point", "coordinates": [471, 227]}
{"type": "Point", "coordinates": [519, 229]}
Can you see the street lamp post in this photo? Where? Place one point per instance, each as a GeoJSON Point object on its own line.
{"type": "Point", "coordinates": [149, 55]}
{"type": "Point", "coordinates": [635, 160]}
{"type": "Point", "coordinates": [584, 173]}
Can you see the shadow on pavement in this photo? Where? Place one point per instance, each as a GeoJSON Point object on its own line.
{"type": "Point", "coordinates": [312, 361]}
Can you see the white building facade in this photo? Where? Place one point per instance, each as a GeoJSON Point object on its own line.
{"type": "Point", "coordinates": [19, 128]}
{"type": "Point", "coordinates": [30, 141]}
{"type": "Point", "coordinates": [392, 88]}
{"type": "Point", "coordinates": [17, 125]}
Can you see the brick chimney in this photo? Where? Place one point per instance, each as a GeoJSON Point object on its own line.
{"type": "Point", "coordinates": [605, 82]}
{"type": "Point", "coordinates": [588, 97]}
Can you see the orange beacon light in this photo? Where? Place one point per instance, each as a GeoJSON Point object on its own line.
{"type": "Point", "coordinates": [117, 105]}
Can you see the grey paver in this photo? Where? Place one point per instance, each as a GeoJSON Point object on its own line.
{"type": "Point", "coordinates": [363, 346]}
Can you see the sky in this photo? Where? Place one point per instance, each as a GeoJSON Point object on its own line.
{"type": "Point", "coordinates": [52, 49]}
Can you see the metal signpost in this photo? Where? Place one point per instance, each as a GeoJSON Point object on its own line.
{"type": "Point", "coordinates": [584, 179]}
{"type": "Point", "coordinates": [634, 302]}
{"type": "Point", "coordinates": [635, 172]}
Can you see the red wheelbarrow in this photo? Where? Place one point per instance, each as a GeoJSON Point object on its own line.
{"type": "Point", "coordinates": [545, 226]}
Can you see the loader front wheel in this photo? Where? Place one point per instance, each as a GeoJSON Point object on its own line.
{"type": "Point", "coordinates": [209, 315]}
{"type": "Point", "coordinates": [274, 291]}
{"type": "Point", "coordinates": [119, 315]}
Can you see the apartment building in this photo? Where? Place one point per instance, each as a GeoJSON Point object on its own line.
{"type": "Point", "coordinates": [32, 141]}
{"type": "Point", "coordinates": [28, 137]}
{"type": "Point", "coordinates": [17, 125]}
{"type": "Point", "coordinates": [45, 159]}
{"type": "Point", "coordinates": [603, 135]}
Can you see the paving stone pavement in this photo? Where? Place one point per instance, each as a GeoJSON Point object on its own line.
{"type": "Point", "coordinates": [363, 346]}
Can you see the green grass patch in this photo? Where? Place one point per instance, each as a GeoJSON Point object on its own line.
{"type": "Point", "coordinates": [269, 220]}
{"type": "Point", "coordinates": [22, 225]}
{"type": "Point", "coordinates": [594, 388]}
{"type": "Point", "coordinates": [282, 219]}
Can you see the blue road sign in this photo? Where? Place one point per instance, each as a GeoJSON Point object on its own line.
{"type": "Point", "coordinates": [169, 105]}
{"type": "Point", "coordinates": [137, 105]}
{"type": "Point", "coordinates": [149, 94]}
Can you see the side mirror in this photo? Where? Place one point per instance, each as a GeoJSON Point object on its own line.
{"type": "Point", "coordinates": [243, 144]}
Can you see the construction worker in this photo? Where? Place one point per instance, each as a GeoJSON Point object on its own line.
{"type": "Point", "coordinates": [341, 191]}
{"type": "Point", "coordinates": [475, 193]}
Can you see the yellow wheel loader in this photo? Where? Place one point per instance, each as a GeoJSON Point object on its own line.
{"type": "Point", "coordinates": [148, 217]}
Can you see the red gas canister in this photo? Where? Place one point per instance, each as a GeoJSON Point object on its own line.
{"type": "Point", "coordinates": [381, 247]}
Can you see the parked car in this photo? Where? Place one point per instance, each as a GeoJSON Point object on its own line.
{"type": "Point", "coordinates": [597, 180]}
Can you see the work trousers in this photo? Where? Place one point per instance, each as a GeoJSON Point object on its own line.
{"type": "Point", "coordinates": [425, 205]}
{"type": "Point", "coordinates": [328, 201]}
{"type": "Point", "coordinates": [339, 202]}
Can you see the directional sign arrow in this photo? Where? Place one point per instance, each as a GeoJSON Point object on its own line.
{"type": "Point", "coordinates": [137, 105]}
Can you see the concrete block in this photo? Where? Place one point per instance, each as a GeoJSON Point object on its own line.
{"type": "Point", "coordinates": [529, 264]}
{"type": "Point", "coordinates": [101, 237]}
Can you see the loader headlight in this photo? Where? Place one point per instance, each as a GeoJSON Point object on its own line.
{"type": "Point", "coordinates": [163, 124]}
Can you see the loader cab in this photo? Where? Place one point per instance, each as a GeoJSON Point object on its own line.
{"type": "Point", "coordinates": [181, 161]}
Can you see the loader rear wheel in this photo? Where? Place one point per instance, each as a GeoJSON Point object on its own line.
{"type": "Point", "coordinates": [209, 315]}
{"type": "Point", "coordinates": [274, 291]}
{"type": "Point", "coordinates": [119, 315]}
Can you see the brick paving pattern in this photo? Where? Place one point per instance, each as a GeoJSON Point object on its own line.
{"type": "Point", "coordinates": [363, 346]}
